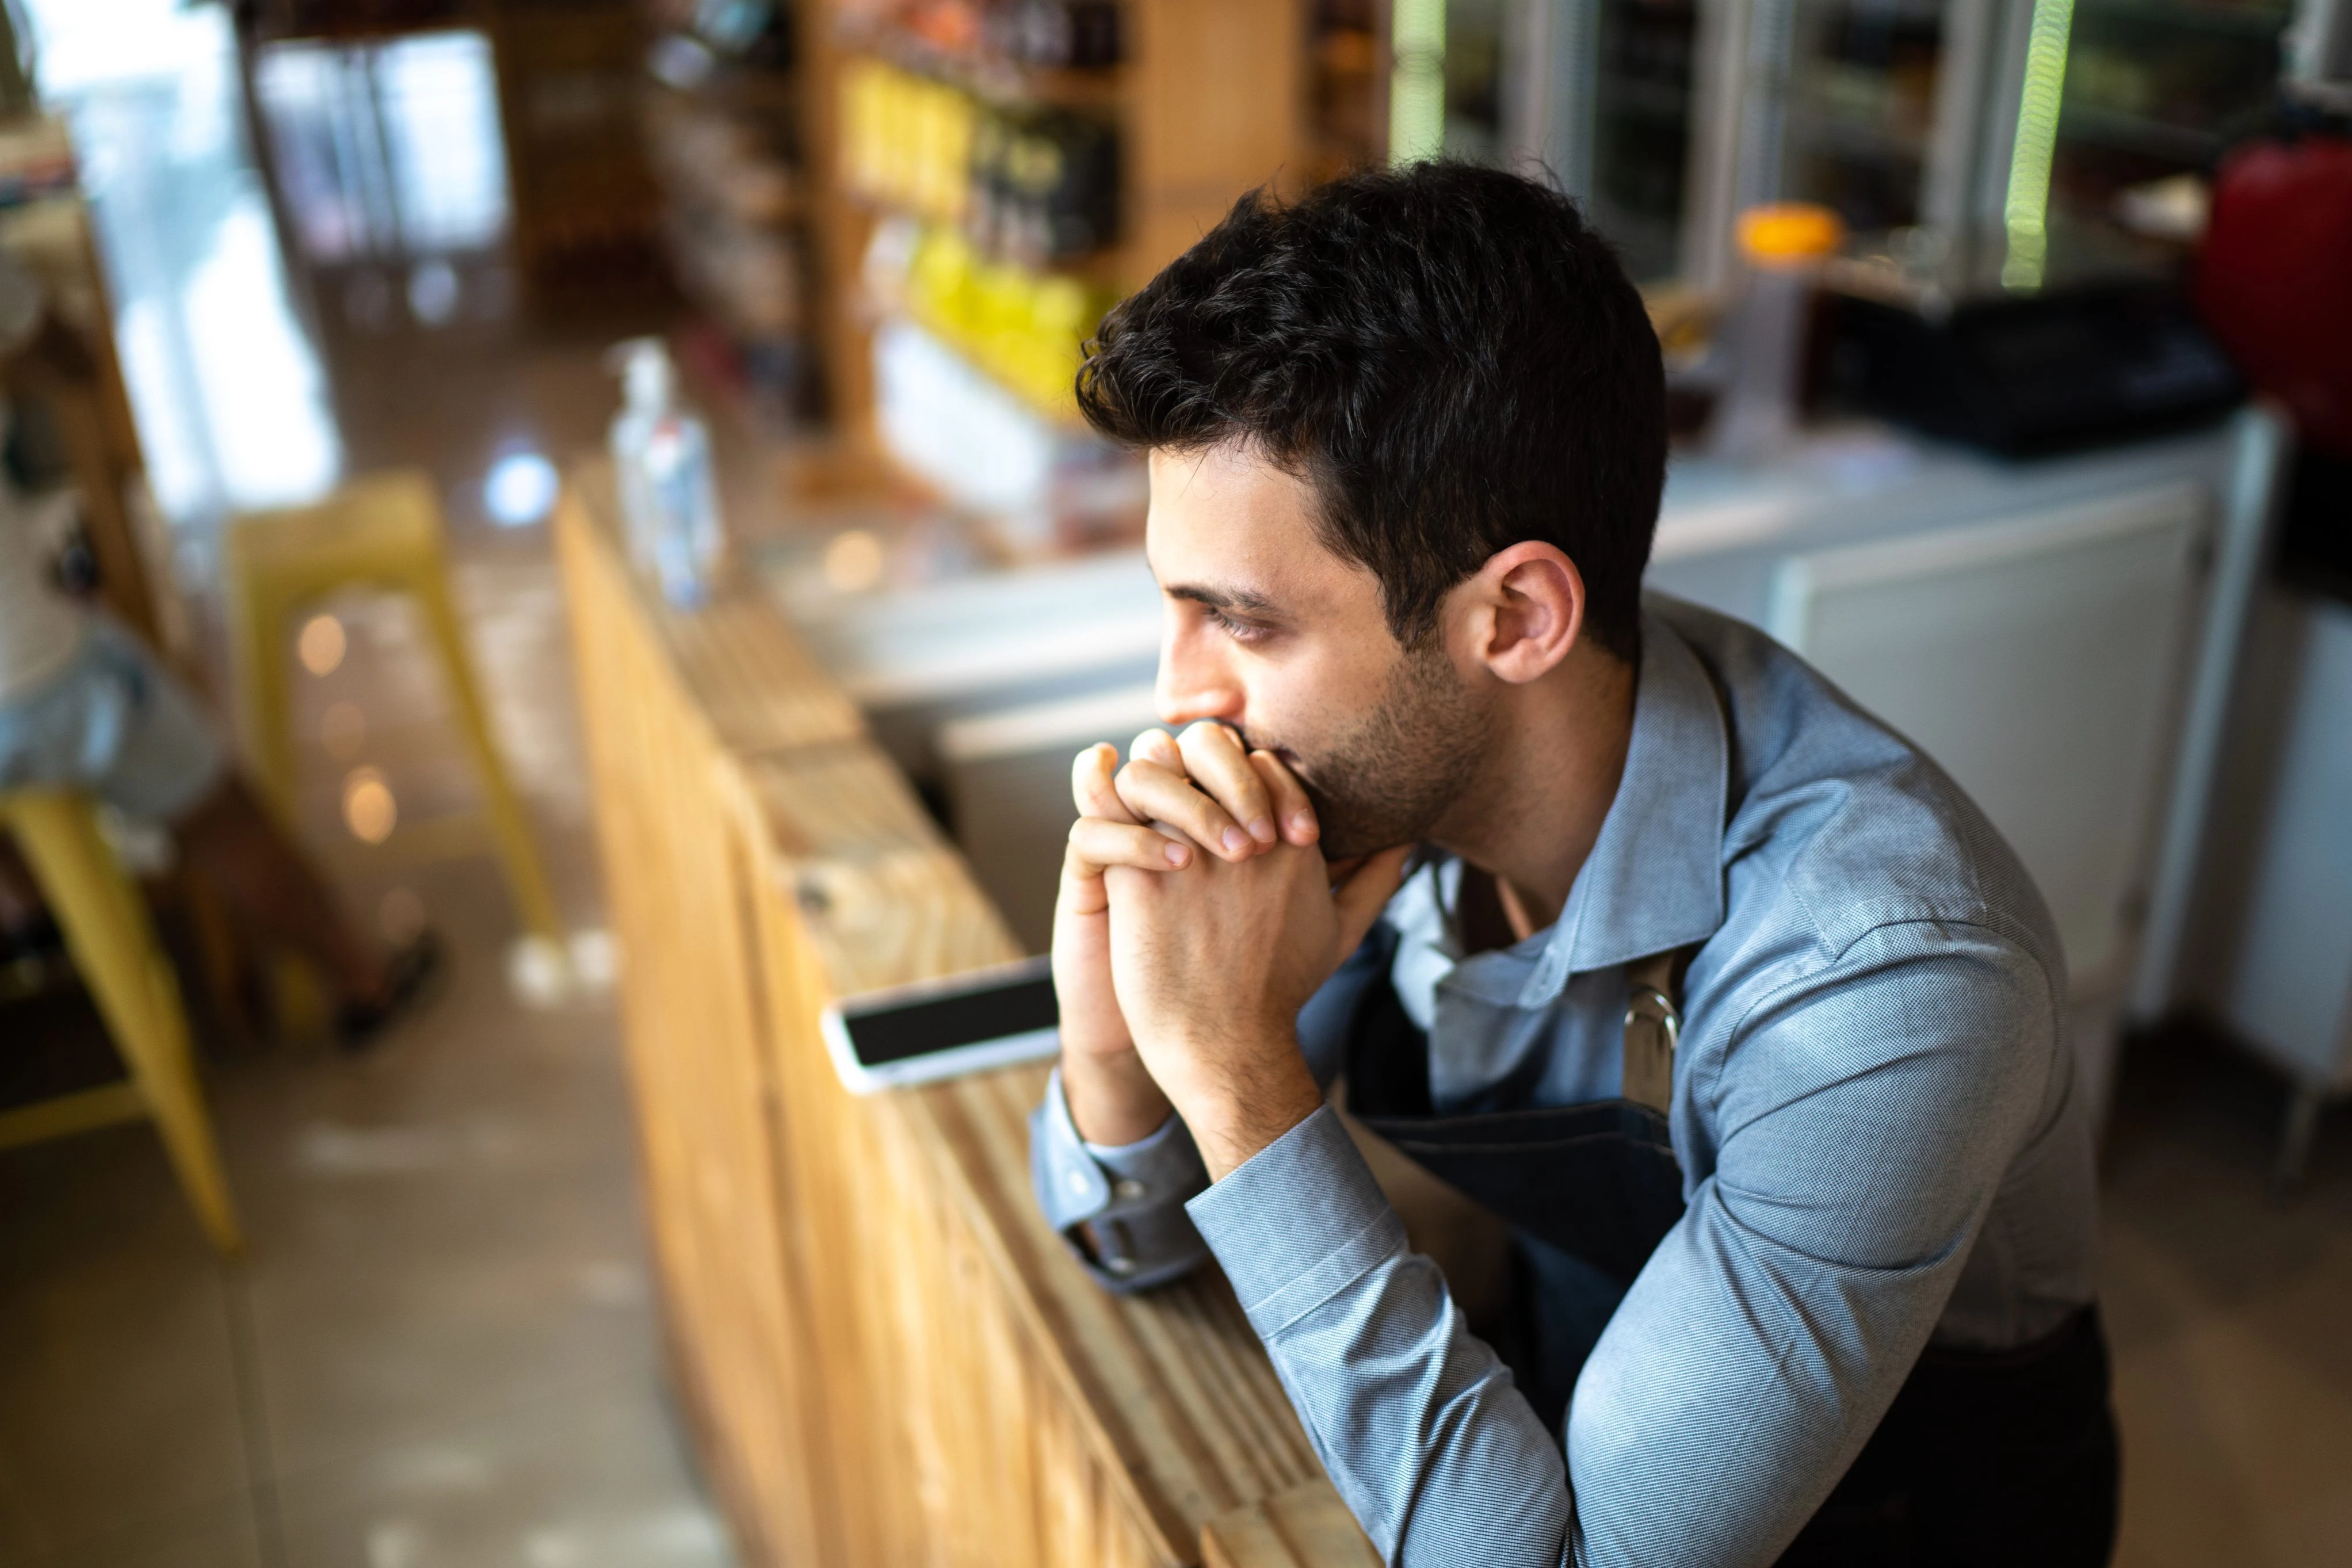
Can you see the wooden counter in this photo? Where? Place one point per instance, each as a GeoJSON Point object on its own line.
{"type": "Point", "coordinates": [886, 1356]}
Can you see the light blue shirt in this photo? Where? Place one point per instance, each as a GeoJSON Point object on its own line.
{"type": "Point", "coordinates": [1875, 1110]}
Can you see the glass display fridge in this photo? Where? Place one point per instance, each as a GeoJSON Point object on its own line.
{"type": "Point", "coordinates": [1605, 95]}
{"type": "Point", "coordinates": [1988, 140]}
{"type": "Point", "coordinates": [2152, 89]}
{"type": "Point", "coordinates": [1894, 113]}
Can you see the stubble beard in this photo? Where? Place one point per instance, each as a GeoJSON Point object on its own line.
{"type": "Point", "coordinates": [1390, 777]}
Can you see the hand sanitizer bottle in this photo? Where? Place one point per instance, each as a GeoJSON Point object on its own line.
{"type": "Point", "coordinates": [661, 459]}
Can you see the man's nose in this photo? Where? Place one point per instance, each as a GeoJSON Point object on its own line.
{"type": "Point", "coordinates": [1191, 688]}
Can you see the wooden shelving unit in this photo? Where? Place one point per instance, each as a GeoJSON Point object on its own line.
{"type": "Point", "coordinates": [1348, 69]}
{"type": "Point", "coordinates": [1208, 100]}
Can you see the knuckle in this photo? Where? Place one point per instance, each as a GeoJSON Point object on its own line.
{"type": "Point", "coordinates": [1211, 738]}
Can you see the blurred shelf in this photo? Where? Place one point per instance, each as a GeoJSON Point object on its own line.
{"type": "Point", "coordinates": [1883, 13]}
{"type": "Point", "coordinates": [1208, 100]}
{"type": "Point", "coordinates": [1636, 98]}
{"type": "Point", "coordinates": [1843, 135]}
{"type": "Point", "coordinates": [722, 132]}
{"type": "Point", "coordinates": [995, 80]}
{"type": "Point", "coordinates": [2127, 132]}
{"type": "Point", "coordinates": [746, 90]}
{"type": "Point", "coordinates": [1348, 52]}
{"type": "Point", "coordinates": [1104, 266]}
{"type": "Point", "coordinates": [2245, 21]}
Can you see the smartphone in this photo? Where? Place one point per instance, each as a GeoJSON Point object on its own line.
{"type": "Point", "coordinates": [940, 1028]}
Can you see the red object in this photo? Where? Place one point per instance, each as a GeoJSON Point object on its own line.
{"type": "Point", "coordinates": [2275, 281]}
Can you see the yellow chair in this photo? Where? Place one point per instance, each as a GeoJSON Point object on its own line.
{"type": "Point", "coordinates": [107, 931]}
{"type": "Point", "coordinates": [383, 531]}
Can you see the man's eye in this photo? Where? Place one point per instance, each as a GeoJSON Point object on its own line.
{"type": "Point", "coordinates": [1238, 630]}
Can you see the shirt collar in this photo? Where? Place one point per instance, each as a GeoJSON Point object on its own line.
{"type": "Point", "coordinates": [1654, 878]}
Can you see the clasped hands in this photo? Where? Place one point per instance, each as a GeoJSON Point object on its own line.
{"type": "Point", "coordinates": [1196, 916]}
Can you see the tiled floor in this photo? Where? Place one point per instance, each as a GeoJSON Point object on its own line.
{"type": "Point", "coordinates": [440, 1350]}
{"type": "Point", "coordinates": [2230, 1315]}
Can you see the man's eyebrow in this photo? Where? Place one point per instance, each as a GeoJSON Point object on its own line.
{"type": "Point", "coordinates": [1222, 598]}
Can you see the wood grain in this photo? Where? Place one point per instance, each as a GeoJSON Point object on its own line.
{"type": "Point", "coordinates": [1305, 1526]}
{"type": "Point", "coordinates": [887, 1357]}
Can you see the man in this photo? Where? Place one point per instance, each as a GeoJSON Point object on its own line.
{"type": "Point", "coordinates": [84, 704]}
{"type": "Point", "coordinates": [1810, 1282]}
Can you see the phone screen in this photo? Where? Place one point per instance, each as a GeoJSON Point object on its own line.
{"type": "Point", "coordinates": [896, 1031]}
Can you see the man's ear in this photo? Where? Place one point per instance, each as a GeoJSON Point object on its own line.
{"type": "Point", "coordinates": [1528, 610]}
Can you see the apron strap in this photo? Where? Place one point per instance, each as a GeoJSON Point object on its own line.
{"type": "Point", "coordinates": [1654, 1026]}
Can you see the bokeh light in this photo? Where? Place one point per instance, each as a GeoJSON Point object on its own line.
{"type": "Point", "coordinates": [853, 563]}
{"type": "Point", "coordinates": [321, 644]}
{"type": "Point", "coordinates": [520, 489]}
{"type": "Point", "coordinates": [369, 810]}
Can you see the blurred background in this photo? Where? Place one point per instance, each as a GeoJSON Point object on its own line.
{"type": "Point", "coordinates": [2011, 350]}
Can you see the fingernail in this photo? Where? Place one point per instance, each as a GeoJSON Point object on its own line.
{"type": "Point", "coordinates": [1263, 830]}
{"type": "Point", "coordinates": [1177, 854]}
{"type": "Point", "coordinates": [1234, 841]}
{"type": "Point", "coordinates": [1303, 824]}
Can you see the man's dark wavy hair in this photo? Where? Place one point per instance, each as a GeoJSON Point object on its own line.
{"type": "Point", "coordinates": [1449, 356]}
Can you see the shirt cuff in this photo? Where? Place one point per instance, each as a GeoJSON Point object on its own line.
{"type": "Point", "coordinates": [1298, 1222]}
{"type": "Point", "coordinates": [1121, 1207]}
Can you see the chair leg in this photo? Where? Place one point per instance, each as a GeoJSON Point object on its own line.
{"type": "Point", "coordinates": [258, 627]}
{"type": "Point", "coordinates": [260, 615]}
{"type": "Point", "coordinates": [113, 946]}
{"type": "Point", "coordinates": [517, 854]}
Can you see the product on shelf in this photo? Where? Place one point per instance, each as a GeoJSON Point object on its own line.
{"type": "Point", "coordinates": [1022, 327]}
{"type": "Point", "coordinates": [1038, 184]}
{"type": "Point", "coordinates": [1044, 183]}
{"type": "Point", "coordinates": [949, 27]}
{"type": "Point", "coordinates": [906, 139]}
{"type": "Point", "coordinates": [1074, 35]}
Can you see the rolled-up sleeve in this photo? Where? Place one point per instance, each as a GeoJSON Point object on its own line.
{"type": "Point", "coordinates": [1120, 1207]}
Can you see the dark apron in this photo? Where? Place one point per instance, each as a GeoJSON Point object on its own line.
{"type": "Point", "coordinates": [1986, 1457]}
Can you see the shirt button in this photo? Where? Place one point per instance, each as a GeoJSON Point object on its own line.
{"type": "Point", "coordinates": [1077, 1182]}
{"type": "Point", "coordinates": [1119, 1265]}
{"type": "Point", "coordinates": [1128, 1190]}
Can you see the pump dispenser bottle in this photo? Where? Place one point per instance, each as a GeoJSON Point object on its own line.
{"type": "Point", "coordinates": [661, 461]}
